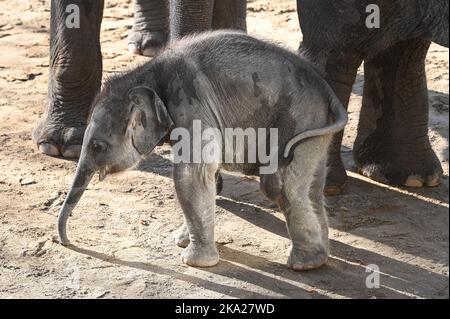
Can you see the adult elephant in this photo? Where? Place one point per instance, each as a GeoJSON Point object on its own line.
{"type": "Point", "coordinates": [392, 144]}
{"type": "Point", "coordinates": [76, 62]}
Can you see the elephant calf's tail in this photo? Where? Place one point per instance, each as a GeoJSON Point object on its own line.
{"type": "Point", "coordinates": [340, 120]}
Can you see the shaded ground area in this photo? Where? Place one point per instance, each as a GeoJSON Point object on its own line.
{"type": "Point", "coordinates": [122, 226]}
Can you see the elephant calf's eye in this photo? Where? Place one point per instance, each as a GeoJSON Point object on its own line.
{"type": "Point", "coordinates": [99, 146]}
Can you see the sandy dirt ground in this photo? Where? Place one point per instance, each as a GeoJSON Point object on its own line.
{"type": "Point", "coordinates": [122, 226]}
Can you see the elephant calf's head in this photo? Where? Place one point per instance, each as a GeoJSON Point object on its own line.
{"type": "Point", "coordinates": [122, 130]}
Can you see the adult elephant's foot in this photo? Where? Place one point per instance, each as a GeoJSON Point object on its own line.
{"type": "Point", "coordinates": [386, 161]}
{"type": "Point", "coordinates": [336, 178]}
{"type": "Point", "coordinates": [58, 139]}
{"type": "Point", "coordinates": [60, 130]}
{"type": "Point", "coordinates": [75, 74]}
{"type": "Point", "coordinates": [150, 28]}
{"type": "Point", "coordinates": [336, 175]}
{"type": "Point", "coordinates": [392, 145]}
{"type": "Point", "coordinates": [146, 43]}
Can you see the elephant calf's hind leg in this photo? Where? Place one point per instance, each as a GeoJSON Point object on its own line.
{"type": "Point", "coordinates": [300, 196]}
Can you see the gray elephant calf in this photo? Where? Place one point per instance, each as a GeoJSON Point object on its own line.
{"type": "Point", "coordinates": [222, 80]}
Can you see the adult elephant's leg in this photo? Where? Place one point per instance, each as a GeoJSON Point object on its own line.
{"type": "Point", "coordinates": [337, 57]}
{"type": "Point", "coordinates": [230, 14]}
{"type": "Point", "coordinates": [151, 27]}
{"type": "Point", "coordinates": [190, 16]}
{"type": "Point", "coordinates": [74, 77]}
{"type": "Point", "coordinates": [340, 73]}
{"type": "Point", "coordinates": [392, 143]}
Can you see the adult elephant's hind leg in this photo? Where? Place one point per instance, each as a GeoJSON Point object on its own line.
{"type": "Point", "coordinates": [392, 145]}
{"type": "Point", "coordinates": [74, 77]}
{"type": "Point", "coordinates": [150, 28]}
{"type": "Point", "coordinates": [340, 74]}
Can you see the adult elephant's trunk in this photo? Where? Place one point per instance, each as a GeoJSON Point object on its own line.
{"type": "Point", "coordinates": [83, 176]}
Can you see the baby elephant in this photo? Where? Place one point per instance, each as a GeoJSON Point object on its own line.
{"type": "Point", "coordinates": [217, 83]}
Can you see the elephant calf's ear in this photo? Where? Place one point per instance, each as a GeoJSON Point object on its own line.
{"type": "Point", "coordinates": [149, 119]}
{"type": "Point", "coordinates": [146, 98]}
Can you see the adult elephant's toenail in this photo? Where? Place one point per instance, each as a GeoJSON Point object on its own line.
{"type": "Point", "coordinates": [414, 181]}
{"type": "Point", "coordinates": [134, 48]}
{"type": "Point", "coordinates": [48, 149]}
{"type": "Point", "coordinates": [150, 52]}
{"type": "Point", "coordinates": [332, 190]}
{"type": "Point", "coordinates": [72, 151]}
{"type": "Point", "coordinates": [433, 180]}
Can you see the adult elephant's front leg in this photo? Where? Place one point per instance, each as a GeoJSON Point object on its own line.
{"type": "Point", "coordinates": [190, 16]}
{"type": "Point", "coordinates": [74, 77]}
{"type": "Point", "coordinates": [150, 28]}
{"type": "Point", "coordinates": [392, 145]}
{"type": "Point", "coordinates": [230, 14]}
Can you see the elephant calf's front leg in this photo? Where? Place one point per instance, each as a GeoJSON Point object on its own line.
{"type": "Point", "coordinates": [196, 189]}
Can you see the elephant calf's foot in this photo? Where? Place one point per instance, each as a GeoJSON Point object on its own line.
{"type": "Point", "coordinates": [301, 259]}
{"type": "Point", "coordinates": [417, 170]}
{"type": "Point", "coordinates": [57, 139]}
{"type": "Point", "coordinates": [145, 42]}
{"type": "Point", "coordinates": [200, 255]}
{"type": "Point", "coordinates": [181, 236]}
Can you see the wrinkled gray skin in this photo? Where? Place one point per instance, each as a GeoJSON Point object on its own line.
{"type": "Point", "coordinates": [392, 144]}
{"type": "Point", "coordinates": [223, 79]}
{"type": "Point", "coordinates": [76, 63]}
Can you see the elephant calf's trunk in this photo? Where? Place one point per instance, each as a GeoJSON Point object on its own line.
{"type": "Point", "coordinates": [82, 178]}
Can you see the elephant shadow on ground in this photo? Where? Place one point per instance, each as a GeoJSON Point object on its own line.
{"type": "Point", "coordinates": [345, 268]}
{"type": "Point", "coordinates": [217, 287]}
{"type": "Point", "coordinates": [386, 217]}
